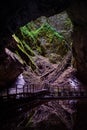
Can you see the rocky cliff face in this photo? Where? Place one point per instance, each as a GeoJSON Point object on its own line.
{"type": "Point", "coordinates": [13, 14]}
{"type": "Point", "coordinates": [77, 12]}
{"type": "Point", "coordinates": [18, 12]}
{"type": "Point", "coordinates": [10, 68]}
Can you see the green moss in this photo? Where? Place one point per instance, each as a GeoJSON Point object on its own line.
{"type": "Point", "coordinates": [23, 46]}
{"type": "Point", "coordinates": [68, 24]}
{"type": "Point", "coordinates": [24, 51]}
{"type": "Point", "coordinates": [48, 32]}
{"type": "Point", "coordinates": [30, 122]}
{"type": "Point", "coordinates": [28, 39]}
{"type": "Point", "coordinates": [45, 30]}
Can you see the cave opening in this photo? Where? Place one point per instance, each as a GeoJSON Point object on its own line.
{"type": "Point", "coordinates": [39, 57]}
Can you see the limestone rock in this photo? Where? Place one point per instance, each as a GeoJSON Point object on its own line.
{"type": "Point", "coordinates": [47, 117]}
{"type": "Point", "coordinates": [77, 13]}
{"type": "Point", "coordinates": [54, 58]}
{"type": "Point", "coordinates": [10, 68]}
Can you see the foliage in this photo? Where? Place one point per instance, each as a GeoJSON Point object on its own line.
{"type": "Point", "coordinates": [23, 51]}
{"type": "Point", "coordinates": [29, 38]}
{"type": "Point", "coordinates": [46, 32]}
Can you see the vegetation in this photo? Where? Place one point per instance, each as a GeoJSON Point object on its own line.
{"type": "Point", "coordinates": [43, 40]}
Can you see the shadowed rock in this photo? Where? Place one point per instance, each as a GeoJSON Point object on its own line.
{"type": "Point", "coordinates": [14, 14]}
{"type": "Point", "coordinates": [10, 68]}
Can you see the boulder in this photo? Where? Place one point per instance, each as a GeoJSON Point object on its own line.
{"type": "Point", "coordinates": [10, 68]}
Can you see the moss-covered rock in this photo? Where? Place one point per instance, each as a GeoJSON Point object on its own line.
{"type": "Point", "coordinates": [54, 58]}
{"type": "Point", "coordinates": [31, 39]}
{"type": "Point", "coordinates": [25, 52]}
{"type": "Point", "coordinates": [10, 68]}
{"type": "Point", "coordinates": [43, 40]}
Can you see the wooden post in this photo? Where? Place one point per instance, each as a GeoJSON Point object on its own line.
{"type": "Point", "coordinates": [16, 89]}
{"type": "Point", "coordinates": [27, 88]}
{"type": "Point", "coordinates": [7, 93]}
{"type": "Point", "coordinates": [33, 88]}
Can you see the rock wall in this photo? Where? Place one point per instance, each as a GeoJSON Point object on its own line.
{"type": "Point", "coordinates": [15, 13]}
{"type": "Point", "coordinates": [77, 13]}
{"type": "Point", "coordinates": [18, 12]}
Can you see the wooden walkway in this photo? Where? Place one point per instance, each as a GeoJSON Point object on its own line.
{"type": "Point", "coordinates": [19, 99]}
{"type": "Point", "coordinates": [48, 92]}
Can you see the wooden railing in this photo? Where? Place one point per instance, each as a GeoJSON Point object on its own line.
{"type": "Point", "coordinates": [47, 92]}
